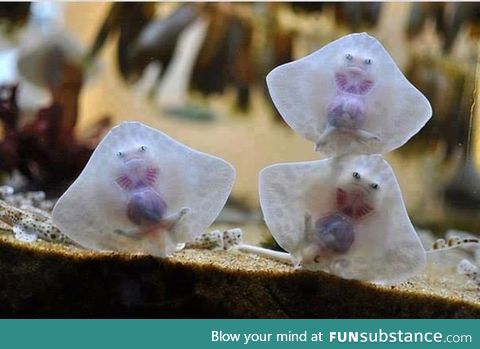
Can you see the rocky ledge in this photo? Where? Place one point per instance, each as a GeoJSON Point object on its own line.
{"type": "Point", "coordinates": [45, 280]}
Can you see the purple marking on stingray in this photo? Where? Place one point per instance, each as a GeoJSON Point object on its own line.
{"type": "Point", "coordinates": [346, 112]}
{"type": "Point", "coordinates": [336, 231]}
{"type": "Point", "coordinates": [132, 181]}
{"type": "Point", "coordinates": [145, 207]}
{"type": "Point", "coordinates": [124, 182]}
{"type": "Point", "coordinates": [151, 176]}
{"type": "Point", "coordinates": [341, 198]}
{"type": "Point", "coordinates": [355, 84]}
{"type": "Point", "coordinates": [353, 203]}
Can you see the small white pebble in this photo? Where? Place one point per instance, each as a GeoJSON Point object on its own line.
{"type": "Point", "coordinates": [465, 267]}
{"type": "Point", "coordinates": [35, 195]}
{"type": "Point", "coordinates": [46, 205]}
{"type": "Point", "coordinates": [470, 270]}
{"type": "Point", "coordinates": [22, 235]}
{"type": "Point", "coordinates": [207, 241]}
{"type": "Point", "coordinates": [454, 241]}
{"type": "Point", "coordinates": [180, 247]}
{"type": "Point", "coordinates": [232, 238]}
{"type": "Point", "coordinates": [439, 244]}
{"type": "Point", "coordinates": [6, 190]}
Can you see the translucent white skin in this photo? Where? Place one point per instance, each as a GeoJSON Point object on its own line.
{"type": "Point", "coordinates": [193, 185]}
{"type": "Point", "coordinates": [386, 248]}
{"type": "Point", "coordinates": [393, 110]}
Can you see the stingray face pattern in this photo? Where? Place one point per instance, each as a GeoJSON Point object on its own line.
{"type": "Point", "coordinates": [146, 208]}
{"type": "Point", "coordinates": [354, 200]}
{"type": "Point", "coordinates": [342, 215]}
{"type": "Point", "coordinates": [142, 191]}
{"type": "Point", "coordinates": [349, 97]}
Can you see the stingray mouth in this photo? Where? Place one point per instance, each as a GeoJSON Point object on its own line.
{"type": "Point", "coordinates": [134, 160]}
{"type": "Point", "coordinates": [355, 68]}
{"type": "Point", "coordinates": [358, 189]}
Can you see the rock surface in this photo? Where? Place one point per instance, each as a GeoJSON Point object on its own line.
{"type": "Point", "coordinates": [45, 280]}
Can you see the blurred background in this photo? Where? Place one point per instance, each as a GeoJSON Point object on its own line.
{"type": "Point", "coordinates": [196, 71]}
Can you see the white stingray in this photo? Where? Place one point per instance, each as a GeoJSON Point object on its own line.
{"type": "Point", "coordinates": [361, 192]}
{"type": "Point", "coordinates": [349, 97]}
{"type": "Point", "coordinates": [136, 161]}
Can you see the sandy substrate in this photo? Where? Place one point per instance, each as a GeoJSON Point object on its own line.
{"type": "Point", "coordinates": [60, 281]}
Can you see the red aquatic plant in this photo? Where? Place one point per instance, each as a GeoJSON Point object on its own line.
{"type": "Point", "coordinates": [45, 150]}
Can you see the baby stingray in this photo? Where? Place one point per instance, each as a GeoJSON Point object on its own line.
{"type": "Point", "coordinates": [142, 191]}
{"type": "Point", "coordinates": [349, 97]}
{"type": "Point", "coordinates": [342, 215]}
